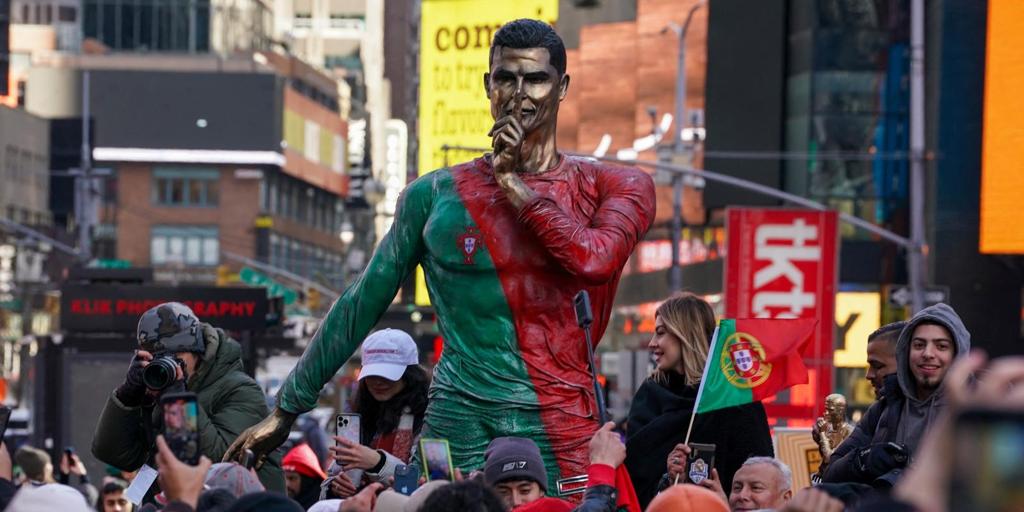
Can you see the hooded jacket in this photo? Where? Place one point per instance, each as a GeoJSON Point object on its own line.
{"type": "Point", "coordinates": [898, 416]}
{"type": "Point", "coordinates": [229, 402]}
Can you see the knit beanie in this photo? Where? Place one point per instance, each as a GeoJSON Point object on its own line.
{"type": "Point", "coordinates": [514, 458]}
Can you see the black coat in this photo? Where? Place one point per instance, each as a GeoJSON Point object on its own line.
{"type": "Point", "coordinates": [657, 422]}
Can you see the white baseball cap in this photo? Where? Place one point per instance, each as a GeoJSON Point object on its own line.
{"type": "Point", "coordinates": [386, 353]}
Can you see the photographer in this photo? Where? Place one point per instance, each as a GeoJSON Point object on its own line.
{"type": "Point", "coordinates": [178, 353]}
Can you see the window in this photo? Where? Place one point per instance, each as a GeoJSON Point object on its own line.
{"type": "Point", "coordinates": [188, 245]}
{"type": "Point", "coordinates": [67, 14]}
{"type": "Point", "coordinates": [186, 187]}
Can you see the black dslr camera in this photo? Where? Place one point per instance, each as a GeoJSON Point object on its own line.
{"type": "Point", "coordinates": [161, 372]}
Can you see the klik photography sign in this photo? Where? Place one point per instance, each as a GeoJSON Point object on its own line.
{"type": "Point", "coordinates": [116, 308]}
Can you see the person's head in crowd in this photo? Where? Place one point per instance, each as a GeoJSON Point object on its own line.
{"type": "Point", "coordinates": [391, 381]}
{"type": "Point", "coordinates": [233, 478]}
{"type": "Point", "coordinates": [112, 498]}
{"type": "Point", "coordinates": [48, 498]}
{"type": "Point", "coordinates": [882, 354]}
{"type": "Point", "coordinates": [546, 504]}
{"type": "Point", "coordinates": [927, 346]}
{"type": "Point", "coordinates": [216, 500]}
{"type": "Point", "coordinates": [761, 483]}
{"type": "Point", "coordinates": [265, 502]}
{"type": "Point", "coordinates": [683, 326]}
{"type": "Point", "coordinates": [35, 464]}
{"type": "Point", "coordinates": [303, 475]}
{"type": "Point", "coordinates": [173, 329]}
{"type": "Point", "coordinates": [515, 468]}
{"type": "Point", "coordinates": [465, 496]}
{"type": "Point", "coordinates": [687, 498]}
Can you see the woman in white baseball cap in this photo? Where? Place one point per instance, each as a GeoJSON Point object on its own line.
{"type": "Point", "coordinates": [391, 401]}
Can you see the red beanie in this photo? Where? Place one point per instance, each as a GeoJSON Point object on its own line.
{"type": "Point", "coordinates": [303, 461]}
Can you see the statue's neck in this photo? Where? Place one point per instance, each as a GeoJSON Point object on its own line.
{"type": "Point", "coordinates": [539, 153]}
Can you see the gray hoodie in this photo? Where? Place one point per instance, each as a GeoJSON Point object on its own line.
{"type": "Point", "coordinates": [918, 414]}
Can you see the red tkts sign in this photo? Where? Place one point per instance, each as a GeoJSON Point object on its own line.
{"type": "Point", "coordinates": [782, 264]}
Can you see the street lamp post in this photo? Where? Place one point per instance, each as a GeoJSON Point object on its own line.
{"type": "Point", "coordinates": [675, 271]}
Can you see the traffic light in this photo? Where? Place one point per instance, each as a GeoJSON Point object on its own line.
{"type": "Point", "coordinates": [223, 275]}
{"type": "Point", "coordinates": [313, 299]}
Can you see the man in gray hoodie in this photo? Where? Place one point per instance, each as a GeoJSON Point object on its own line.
{"type": "Point", "coordinates": [886, 437]}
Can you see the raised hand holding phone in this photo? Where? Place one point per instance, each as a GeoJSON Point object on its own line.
{"type": "Point", "coordinates": [181, 426]}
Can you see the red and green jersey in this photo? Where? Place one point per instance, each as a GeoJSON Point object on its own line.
{"type": "Point", "coordinates": [502, 282]}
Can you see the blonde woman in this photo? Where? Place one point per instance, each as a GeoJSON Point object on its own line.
{"type": "Point", "coordinates": [660, 412]}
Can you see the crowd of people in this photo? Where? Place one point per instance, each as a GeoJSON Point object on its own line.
{"type": "Point", "coordinates": [923, 370]}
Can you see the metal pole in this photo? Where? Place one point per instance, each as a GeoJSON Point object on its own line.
{"type": "Point", "coordinates": [916, 264]}
{"type": "Point", "coordinates": [84, 189]}
{"type": "Point", "coordinates": [675, 270]}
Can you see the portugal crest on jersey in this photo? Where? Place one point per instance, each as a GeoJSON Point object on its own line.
{"type": "Point", "coordinates": [469, 242]}
{"type": "Point", "coordinates": [743, 361]}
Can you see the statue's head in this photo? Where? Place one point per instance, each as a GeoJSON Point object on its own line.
{"type": "Point", "coordinates": [835, 408]}
{"type": "Point", "coordinates": [527, 67]}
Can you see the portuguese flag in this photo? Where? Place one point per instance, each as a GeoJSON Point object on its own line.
{"type": "Point", "coordinates": [751, 360]}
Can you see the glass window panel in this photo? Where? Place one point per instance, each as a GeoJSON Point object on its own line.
{"type": "Point", "coordinates": [212, 187]}
{"type": "Point", "coordinates": [176, 191]}
{"type": "Point", "coordinates": [158, 250]}
{"type": "Point", "coordinates": [211, 251]}
{"type": "Point", "coordinates": [195, 192]}
{"type": "Point", "coordinates": [175, 249]}
{"type": "Point", "coordinates": [193, 249]}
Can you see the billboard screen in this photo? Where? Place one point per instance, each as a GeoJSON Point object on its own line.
{"type": "Point", "coordinates": [782, 264]}
{"type": "Point", "coordinates": [454, 49]}
{"type": "Point", "coordinates": [1002, 150]}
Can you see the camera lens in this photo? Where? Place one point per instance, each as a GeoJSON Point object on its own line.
{"type": "Point", "coordinates": [160, 373]}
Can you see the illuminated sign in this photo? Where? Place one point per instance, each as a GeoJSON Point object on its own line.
{"type": "Point", "coordinates": [454, 50]}
{"type": "Point", "coordinates": [858, 314]}
{"type": "Point", "coordinates": [782, 263]}
{"type": "Point", "coordinates": [396, 140]}
{"type": "Point", "coordinates": [113, 308]}
{"type": "Point", "coordinates": [1002, 150]}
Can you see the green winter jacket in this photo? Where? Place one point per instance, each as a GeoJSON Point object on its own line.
{"type": "Point", "coordinates": [229, 402]}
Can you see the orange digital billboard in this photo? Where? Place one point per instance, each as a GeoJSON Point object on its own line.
{"type": "Point", "coordinates": [1002, 181]}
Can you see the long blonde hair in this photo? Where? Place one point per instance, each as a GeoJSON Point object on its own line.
{"type": "Point", "coordinates": [692, 320]}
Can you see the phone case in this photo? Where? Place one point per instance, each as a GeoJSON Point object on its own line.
{"type": "Point", "coordinates": [437, 459]}
{"type": "Point", "coordinates": [181, 426]}
{"type": "Point", "coordinates": [348, 426]}
{"type": "Point", "coordinates": [406, 479]}
{"type": "Point", "coordinates": [700, 462]}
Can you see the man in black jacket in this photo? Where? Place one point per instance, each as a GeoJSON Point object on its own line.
{"type": "Point", "coordinates": [885, 439]}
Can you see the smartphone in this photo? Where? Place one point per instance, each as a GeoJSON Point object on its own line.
{"type": "Point", "coordinates": [406, 479]}
{"type": "Point", "coordinates": [181, 426]}
{"type": "Point", "coordinates": [437, 459]}
{"type": "Point", "coordinates": [248, 459]}
{"type": "Point", "coordinates": [348, 427]}
{"type": "Point", "coordinates": [700, 462]}
{"type": "Point", "coordinates": [987, 461]}
{"type": "Point", "coordinates": [584, 314]}
{"type": "Point", "coordinates": [5, 418]}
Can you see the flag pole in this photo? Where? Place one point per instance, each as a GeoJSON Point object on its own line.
{"type": "Point", "coordinates": [700, 389]}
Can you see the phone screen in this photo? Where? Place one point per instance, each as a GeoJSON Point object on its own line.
{"type": "Point", "coordinates": [437, 459]}
{"type": "Point", "coordinates": [987, 468]}
{"type": "Point", "coordinates": [181, 426]}
{"type": "Point", "coordinates": [5, 418]}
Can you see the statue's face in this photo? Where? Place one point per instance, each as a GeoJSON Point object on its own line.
{"type": "Point", "coordinates": [526, 75]}
{"type": "Point", "coordinates": [835, 410]}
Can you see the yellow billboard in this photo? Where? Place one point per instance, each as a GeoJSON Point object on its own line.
{"type": "Point", "coordinates": [1001, 231]}
{"type": "Point", "coordinates": [858, 314]}
{"type": "Point", "coordinates": [454, 49]}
